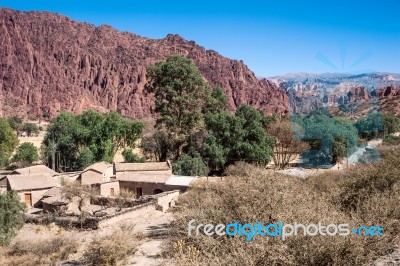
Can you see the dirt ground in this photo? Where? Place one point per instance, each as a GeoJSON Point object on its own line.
{"type": "Point", "coordinates": [152, 227]}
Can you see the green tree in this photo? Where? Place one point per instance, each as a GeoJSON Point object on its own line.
{"type": "Point", "coordinates": [26, 154]}
{"type": "Point", "coordinates": [190, 165]}
{"type": "Point", "coordinates": [240, 137]}
{"type": "Point", "coordinates": [180, 96]}
{"type": "Point", "coordinates": [371, 126]}
{"type": "Point", "coordinates": [15, 123]}
{"type": "Point", "coordinates": [216, 102]}
{"type": "Point", "coordinates": [130, 157]}
{"type": "Point", "coordinates": [4, 159]}
{"type": "Point", "coordinates": [30, 128]}
{"type": "Point", "coordinates": [335, 138]}
{"type": "Point", "coordinates": [85, 157]}
{"type": "Point", "coordinates": [8, 142]}
{"type": "Point", "coordinates": [157, 145]}
{"type": "Point", "coordinates": [69, 138]}
{"type": "Point", "coordinates": [11, 216]}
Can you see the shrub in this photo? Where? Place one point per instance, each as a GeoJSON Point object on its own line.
{"type": "Point", "coordinates": [110, 250]}
{"type": "Point", "coordinates": [30, 128]}
{"type": "Point", "coordinates": [4, 161]}
{"type": "Point", "coordinates": [242, 169]}
{"type": "Point", "coordinates": [393, 140]}
{"type": "Point", "coordinates": [15, 122]}
{"type": "Point", "coordinates": [127, 194]}
{"type": "Point", "coordinates": [41, 251]}
{"type": "Point", "coordinates": [11, 216]}
{"type": "Point", "coordinates": [264, 196]}
{"type": "Point", "coordinates": [26, 154]}
{"type": "Point", "coordinates": [190, 165]}
{"type": "Point", "coordinates": [130, 157]}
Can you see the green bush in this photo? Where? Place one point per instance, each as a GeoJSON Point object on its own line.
{"type": "Point", "coordinates": [390, 139]}
{"type": "Point", "coordinates": [11, 216]}
{"type": "Point", "coordinates": [26, 153]}
{"type": "Point", "coordinates": [15, 122]}
{"type": "Point", "coordinates": [4, 161]}
{"type": "Point", "coordinates": [190, 165]}
{"type": "Point", "coordinates": [85, 158]}
{"type": "Point", "coordinates": [130, 157]}
{"type": "Point", "coordinates": [30, 128]}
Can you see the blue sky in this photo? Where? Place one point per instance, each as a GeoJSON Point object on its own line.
{"type": "Point", "coordinates": [271, 37]}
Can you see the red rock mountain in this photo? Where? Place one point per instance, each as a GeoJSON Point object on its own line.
{"type": "Point", "coordinates": [51, 63]}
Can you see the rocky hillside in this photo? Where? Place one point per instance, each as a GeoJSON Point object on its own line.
{"type": "Point", "coordinates": [49, 63]}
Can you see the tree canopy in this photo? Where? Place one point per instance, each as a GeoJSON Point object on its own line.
{"type": "Point", "coordinates": [26, 154]}
{"type": "Point", "coordinates": [8, 142]}
{"type": "Point", "coordinates": [239, 137]}
{"type": "Point", "coordinates": [181, 94]}
{"type": "Point", "coordinates": [334, 138]}
{"type": "Point", "coordinates": [30, 128]}
{"type": "Point", "coordinates": [73, 141]}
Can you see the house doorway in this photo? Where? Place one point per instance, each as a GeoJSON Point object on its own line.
{"type": "Point", "coordinates": [28, 199]}
{"type": "Point", "coordinates": [112, 192]}
{"type": "Point", "coordinates": [139, 192]}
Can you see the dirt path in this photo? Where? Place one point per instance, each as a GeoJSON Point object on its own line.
{"type": "Point", "coordinates": [154, 226]}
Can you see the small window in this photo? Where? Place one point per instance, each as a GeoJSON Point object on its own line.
{"type": "Point", "coordinates": [112, 192]}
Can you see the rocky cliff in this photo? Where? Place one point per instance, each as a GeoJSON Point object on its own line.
{"type": "Point", "coordinates": [49, 63]}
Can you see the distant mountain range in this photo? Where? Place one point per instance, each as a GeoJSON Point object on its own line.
{"type": "Point", "coordinates": [368, 91]}
{"type": "Point", "coordinates": [328, 81]}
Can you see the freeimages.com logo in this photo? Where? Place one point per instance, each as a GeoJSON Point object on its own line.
{"type": "Point", "coordinates": [249, 231]}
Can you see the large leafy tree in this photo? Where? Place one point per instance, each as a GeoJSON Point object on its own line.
{"type": "Point", "coordinates": [76, 141]}
{"type": "Point", "coordinates": [11, 216]}
{"type": "Point", "coordinates": [30, 128]}
{"type": "Point", "coordinates": [190, 165]}
{"type": "Point", "coordinates": [15, 122]}
{"type": "Point", "coordinates": [8, 141]}
{"type": "Point", "coordinates": [26, 154]}
{"type": "Point", "coordinates": [334, 138]}
{"type": "Point", "coordinates": [180, 96]}
{"type": "Point", "coordinates": [239, 137]}
{"type": "Point", "coordinates": [378, 125]}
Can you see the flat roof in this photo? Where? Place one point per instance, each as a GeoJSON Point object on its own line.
{"type": "Point", "coordinates": [179, 180]}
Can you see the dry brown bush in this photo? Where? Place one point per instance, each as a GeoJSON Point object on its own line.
{"type": "Point", "coordinates": [111, 250]}
{"type": "Point", "coordinates": [365, 195]}
{"type": "Point", "coordinates": [127, 194]}
{"type": "Point", "coordinates": [39, 252]}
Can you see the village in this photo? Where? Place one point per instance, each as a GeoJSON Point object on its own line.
{"type": "Point", "coordinates": [41, 188]}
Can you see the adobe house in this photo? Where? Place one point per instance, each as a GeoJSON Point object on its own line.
{"type": "Point", "coordinates": [101, 174]}
{"type": "Point", "coordinates": [143, 178]}
{"type": "Point", "coordinates": [31, 187]}
{"type": "Point", "coordinates": [54, 201]}
{"type": "Point", "coordinates": [150, 178]}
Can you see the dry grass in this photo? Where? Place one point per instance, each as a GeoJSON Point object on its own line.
{"type": "Point", "coordinates": [39, 252]}
{"type": "Point", "coordinates": [365, 195]}
{"type": "Point", "coordinates": [113, 249]}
